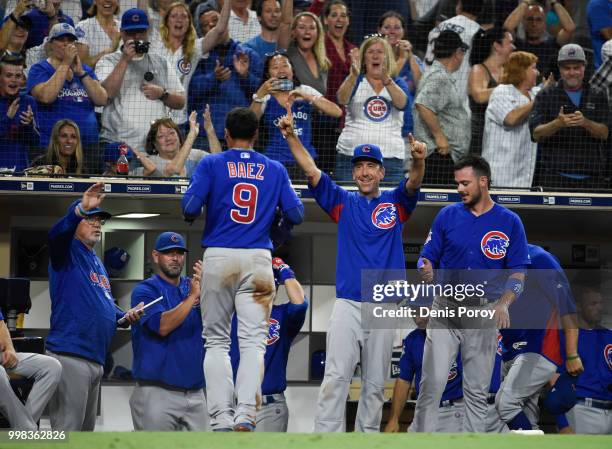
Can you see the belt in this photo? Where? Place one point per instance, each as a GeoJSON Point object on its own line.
{"type": "Point", "coordinates": [272, 398]}
{"type": "Point", "coordinates": [595, 403]}
{"type": "Point", "coordinates": [491, 399]}
{"type": "Point", "coordinates": [152, 383]}
{"type": "Point", "coordinates": [450, 402]}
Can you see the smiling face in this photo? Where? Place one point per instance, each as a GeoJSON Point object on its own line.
{"type": "Point", "coordinates": [305, 33]}
{"type": "Point", "coordinates": [280, 67]}
{"type": "Point", "coordinates": [270, 15]}
{"type": "Point", "coordinates": [392, 29]}
{"type": "Point", "coordinates": [18, 38]}
{"type": "Point", "coordinates": [67, 139]}
{"type": "Point", "coordinates": [178, 21]}
{"type": "Point", "coordinates": [572, 74]}
{"type": "Point", "coordinates": [208, 21]}
{"type": "Point", "coordinates": [166, 141]}
{"type": "Point", "coordinates": [11, 79]}
{"type": "Point", "coordinates": [106, 8]}
{"type": "Point", "coordinates": [368, 175]}
{"type": "Point", "coordinates": [374, 59]}
{"type": "Point", "coordinates": [337, 21]}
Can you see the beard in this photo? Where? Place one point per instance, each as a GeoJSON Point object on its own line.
{"type": "Point", "coordinates": [171, 272]}
{"type": "Point", "coordinates": [476, 196]}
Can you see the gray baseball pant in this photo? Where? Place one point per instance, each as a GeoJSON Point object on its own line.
{"type": "Point", "coordinates": [494, 421]}
{"type": "Point", "coordinates": [524, 378]}
{"type": "Point", "coordinates": [74, 405]}
{"type": "Point", "coordinates": [45, 372]}
{"type": "Point", "coordinates": [238, 280]}
{"type": "Point", "coordinates": [591, 420]}
{"type": "Point", "coordinates": [478, 342]}
{"type": "Point", "coordinates": [157, 408]}
{"type": "Point", "coordinates": [350, 339]}
{"type": "Point", "coordinates": [273, 416]}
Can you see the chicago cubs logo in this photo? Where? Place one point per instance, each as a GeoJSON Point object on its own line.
{"type": "Point", "coordinates": [384, 216]}
{"type": "Point", "coordinates": [494, 245]}
{"type": "Point", "coordinates": [377, 108]}
{"type": "Point", "coordinates": [500, 346]}
{"type": "Point", "coordinates": [94, 277]}
{"type": "Point", "coordinates": [174, 238]}
{"type": "Point", "coordinates": [183, 66]}
{"type": "Point", "coordinates": [608, 355]}
{"type": "Point", "coordinates": [273, 332]}
{"type": "Point", "coordinates": [452, 374]}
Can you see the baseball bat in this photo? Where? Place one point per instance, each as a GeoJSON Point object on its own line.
{"type": "Point", "coordinates": [123, 320]}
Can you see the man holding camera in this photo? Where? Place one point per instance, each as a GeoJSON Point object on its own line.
{"type": "Point", "coordinates": [569, 121]}
{"type": "Point", "coordinates": [140, 85]}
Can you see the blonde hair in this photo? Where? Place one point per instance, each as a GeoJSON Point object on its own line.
{"type": "Point", "coordinates": [390, 65]}
{"type": "Point", "coordinates": [516, 66]}
{"type": "Point", "coordinates": [319, 46]}
{"type": "Point", "coordinates": [54, 155]}
{"type": "Point", "coordinates": [190, 37]}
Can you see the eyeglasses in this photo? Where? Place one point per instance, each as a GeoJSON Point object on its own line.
{"type": "Point", "coordinates": [279, 52]}
{"type": "Point", "coordinates": [93, 219]}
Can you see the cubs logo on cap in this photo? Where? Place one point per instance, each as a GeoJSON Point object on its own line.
{"type": "Point", "coordinates": [62, 29]}
{"type": "Point", "coordinates": [608, 355]}
{"type": "Point", "coordinates": [384, 216]}
{"type": "Point", "coordinates": [377, 108]}
{"type": "Point", "coordinates": [273, 332]}
{"type": "Point", "coordinates": [494, 245]}
{"type": "Point", "coordinates": [134, 19]}
{"type": "Point", "coordinates": [367, 151]}
{"type": "Point", "coordinates": [170, 240]}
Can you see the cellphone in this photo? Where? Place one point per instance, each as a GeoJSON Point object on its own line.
{"type": "Point", "coordinates": [569, 108]}
{"type": "Point", "coordinates": [283, 84]}
{"type": "Point", "coordinates": [39, 4]}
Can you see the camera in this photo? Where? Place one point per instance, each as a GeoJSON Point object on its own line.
{"type": "Point", "coordinates": [141, 47]}
{"type": "Point", "coordinates": [39, 4]}
{"type": "Point", "coordinates": [283, 84]}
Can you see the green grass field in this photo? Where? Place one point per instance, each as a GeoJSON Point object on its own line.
{"type": "Point", "coordinates": [176, 440]}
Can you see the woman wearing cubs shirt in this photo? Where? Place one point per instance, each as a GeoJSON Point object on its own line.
{"type": "Point", "coordinates": [375, 100]}
{"type": "Point", "coordinates": [99, 34]}
{"type": "Point", "coordinates": [180, 45]}
{"type": "Point", "coordinates": [270, 102]}
{"type": "Point", "coordinates": [67, 89]}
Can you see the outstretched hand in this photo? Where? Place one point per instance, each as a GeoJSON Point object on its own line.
{"type": "Point", "coordinates": [285, 124]}
{"type": "Point", "coordinates": [93, 196]}
{"type": "Point", "coordinates": [418, 149]}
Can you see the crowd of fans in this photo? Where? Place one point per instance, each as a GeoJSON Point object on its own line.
{"type": "Point", "coordinates": [511, 80]}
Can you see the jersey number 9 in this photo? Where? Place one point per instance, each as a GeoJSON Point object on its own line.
{"type": "Point", "coordinates": [245, 198]}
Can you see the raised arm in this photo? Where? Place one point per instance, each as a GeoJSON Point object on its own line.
{"type": "Point", "coordinates": [346, 88]}
{"type": "Point", "coordinates": [515, 17]}
{"type": "Point", "coordinates": [567, 23]}
{"type": "Point", "coordinates": [176, 166]}
{"type": "Point", "coordinates": [302, 157]}
{"type": "Point", "coordinates": [418, 150]}
{"type": "Point", "coordinates": [284, 35]}
{"type": "Point", "coordinates": [215, 35]}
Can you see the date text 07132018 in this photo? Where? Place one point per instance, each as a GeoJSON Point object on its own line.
{"type": "Point", "coordinates": [33, 435]}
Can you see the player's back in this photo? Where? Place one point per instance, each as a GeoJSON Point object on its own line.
{"type": "Point", "coordinates": [241, 189]}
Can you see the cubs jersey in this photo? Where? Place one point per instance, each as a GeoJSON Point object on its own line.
{"type": "Point", "coordinates": [175, 359]}
{"type": "Point", "coordinates": [535, 315]}
{"type": "Point", "coordinates": [369, 231]}
{"type": "Point", "coordinates": [83, 312]}
{"type": "Point", "coordinates": [285, 323]}
{"type": "Point", "coordinates": [241, 189]}
{"type": "Point", "coordinates": [372, 118]}
{"type": "Point", "coordinates": [490, 243]}
{"type": "Point", "coordinates": [595, 350]}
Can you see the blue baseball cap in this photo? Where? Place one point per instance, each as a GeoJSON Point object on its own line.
{"type": "Point", "coordinates": [367, 151]}
{"type": "Point", "coordinates": [170, 240]}
{"type": "Point", "coordinates": [134, 19]}
{"type": "Point", "coordinates": [562, 397]}
{"type": "Point", "coordinates": [95, 211]}
{"type": "Point", "coordinates": [112, 151]}
{"type": "Point", "coordinates": [115, 259]}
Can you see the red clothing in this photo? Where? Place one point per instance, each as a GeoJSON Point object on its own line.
{"type": "Point", "coordinates": [339, 69]}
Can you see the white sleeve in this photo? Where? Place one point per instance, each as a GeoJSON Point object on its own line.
{"type": "Point", "coordinates": [81, 32]}
{"type": "Point", "coordinates": [265, 103]}
{"type": "Point", "coordinates": [309, 90]}
{"type": "Point", "coordinates": [502, 103]}
{"type": "Point", "coordinates": [104, 67]}
{"type": "Point", "coordinates": [173, 83]}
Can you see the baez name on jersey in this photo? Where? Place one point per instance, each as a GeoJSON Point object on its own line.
{"type": "Point", "coordinates": [248, 170]}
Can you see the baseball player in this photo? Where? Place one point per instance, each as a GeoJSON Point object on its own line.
{"type": "Point", "coordinates": [475, 234]}
{"type": "Point", "coordinates": [593, 411]}
{"type": "Point", "coordinates": [45, 371]}
{"type": "Point", "coordinates": [451, 411]}
{"type": "Point", "coordinates": [83, 313]}
{"type": "Point", "coordinates": [286, 320]}
{"type": "Point", "coordinates": [167, 344]}
{"type": "Point", "coordinates": [370, 224]}
{"type": "Point", "coordinates": [533, 352]}
{"type": "Point", "coordinates": [241, 190]}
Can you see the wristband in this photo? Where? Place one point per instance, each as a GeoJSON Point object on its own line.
{"type": "Point", "coordinates": [82, 211]}
{"type": "Point", "coordinates": [515, 286]}
{"type": "Point", "coordinates": [257, 99]}
{"type": "Point", "coordinates": [282, 271]}
{"type": "Point", "coordinates": [572, 357]}
{"type": "Point", "coordinates": [164, 96]}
